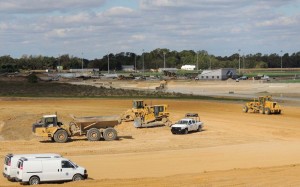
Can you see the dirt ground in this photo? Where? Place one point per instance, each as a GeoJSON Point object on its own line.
{"type": "Point", "coordinates": [234, 149]}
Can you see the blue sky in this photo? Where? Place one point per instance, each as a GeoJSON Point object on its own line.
{"type": "Point", "coordinates": [95, 27]}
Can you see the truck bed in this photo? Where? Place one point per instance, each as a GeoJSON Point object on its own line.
{"type": "Point", "coordinates": [97, 121]}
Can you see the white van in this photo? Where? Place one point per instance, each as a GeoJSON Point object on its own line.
{"type": "Point", "coordinates": [10, 163]}
{"type": "Point", "coordinates": [35, 171]}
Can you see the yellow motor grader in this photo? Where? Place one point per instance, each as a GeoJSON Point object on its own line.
{"type": "Point", "coordinates": [263, 105]}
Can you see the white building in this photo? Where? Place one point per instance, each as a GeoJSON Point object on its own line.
{"type": "Point", "coordinates": [188, 67]}
{"type": "Point", "coordinates": [218, 74]}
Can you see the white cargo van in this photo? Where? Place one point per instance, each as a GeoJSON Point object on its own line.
{"type": "Point", "coordinates": [10, 163]}
{"type": "Point", "coordinates": [35, 171]}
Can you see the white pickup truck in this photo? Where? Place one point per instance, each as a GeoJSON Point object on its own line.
{"type": "Point", "coordinates": [191, 122]}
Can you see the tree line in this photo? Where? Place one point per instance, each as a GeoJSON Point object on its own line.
{"type": "Point", "coordinates": [152, 60]}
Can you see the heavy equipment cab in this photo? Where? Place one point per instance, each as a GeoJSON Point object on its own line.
{"type": "Point", "coordinates": [160, 110]}
{"type": "Point", "coordinates": [49, 121]}
{"type": "Point", "coordinates": [138, 104]}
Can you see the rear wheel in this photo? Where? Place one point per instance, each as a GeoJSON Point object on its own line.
{"type": "Point", "coordinates": [245, 109]}
{"type": "Point", "coordinates": [34, 180]}
{"type": "Point", "coordinates": [267, 111]}
{"type": "Point", "coordinates": [93, 134]}
{"type": "Point", "coordinates": [109, 134]}
{"type": "Point", "coordinates": [61, 136]}
{"type": "Point", "coordinates": [77, 177]}
{"type": "Point", "coordinates": [199, 128]}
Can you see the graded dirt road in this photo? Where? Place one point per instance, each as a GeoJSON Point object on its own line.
{"type": "Point", "coordinates": [234, 149]}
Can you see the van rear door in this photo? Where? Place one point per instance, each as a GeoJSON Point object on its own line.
{"type": "Point", "coordinates": [7, 165]}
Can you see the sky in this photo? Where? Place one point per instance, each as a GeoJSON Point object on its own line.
{"type": "Point", "coordinates": [93, 28]}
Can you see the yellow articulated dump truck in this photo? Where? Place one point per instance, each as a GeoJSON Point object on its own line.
{"type": "Point", "coordinates": [93, 128]}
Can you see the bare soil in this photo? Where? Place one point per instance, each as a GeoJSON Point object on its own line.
{"type": "Point", "coordinates": [234, 149]}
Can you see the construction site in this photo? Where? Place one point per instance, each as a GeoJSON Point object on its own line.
{"type": "Point", "coordinates": [234, 147]}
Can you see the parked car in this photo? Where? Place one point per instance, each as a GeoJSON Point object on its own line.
{"type": "Point", "coordinates": [241, 78]}
{"type": "Point", "coordinates": [10, 163]}
{"type": "Point", "coordinates": [36, 171]}
{"type": "Point", "coordinates": [191, 122]}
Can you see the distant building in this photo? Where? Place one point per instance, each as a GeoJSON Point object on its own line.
{"type": "Point", "coordinates": [188, 67]}
{"type": "Point", "coordinates": [59, 68]}
{"type": "Point", "coordinates": [128, 68]}
{"type": "Point", "coordinates": [168, 69]}
{"type": "Point", "coordinates": [218, 74]}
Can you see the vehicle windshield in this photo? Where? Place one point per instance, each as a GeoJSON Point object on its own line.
{"type": "Point", "coordinates": [73, 164]}
{"type": "Point", "coordinates": [7, 160]}
{"type": "Point", "coordinates": [183, 122]}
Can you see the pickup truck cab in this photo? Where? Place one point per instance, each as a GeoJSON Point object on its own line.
{"type": "Point", "coordinates": [191, 122]}
{"type": "Point", "coordinates": [10, 163]}
{"type": "Point", "coordinates": [36, 171]}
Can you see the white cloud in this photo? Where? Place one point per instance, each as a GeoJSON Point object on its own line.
{"type": "Point", "coordinates": [213, 25]}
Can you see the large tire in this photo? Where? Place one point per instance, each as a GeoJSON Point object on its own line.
{"type": "Point", "coordinates": [61, 136]}
{"type": "Point", "coordinates": [186, 131]}
{"type": "Point", "coordinates": [245, 109]}
{"type": "Point", "coordinates": [34, 180]}
{"type": "Point", "coordinates": [110, 134]}
{"type": "Point", "coordinates": [267, 111]}
{"type": "Point", "coordinates": [77, 177]}
{"type": "Point", "coordinates": [93, 134]}
{"type": "Point", "coordinates": [279, 112]}
{"type": "Point", "coordinates": [199, 128]}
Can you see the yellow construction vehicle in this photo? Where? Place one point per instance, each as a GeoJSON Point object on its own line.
{"type": "Point", "coordinates": [93, 128]}
{"type": "Point", "coordinates": [263, 105]}
{"type": "Point", "coordinates": [155, 115]}
{"type": "Point", "coordinates": [140, 109]}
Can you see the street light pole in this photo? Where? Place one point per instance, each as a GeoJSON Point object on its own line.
{"type": "Point", "coordinates": [281, 61]}
{"type": "Point", "coordinates": [108, 63]}
{"type": "Point", "coordinates": [135, 63]}
{"type": "Point", "coordinates": [197, 61]}
{"type": "Point", "coordinates": [239, 62]}
{"type": "Point", "coordinates": [143, 62]}
{"type": "Point", "coordinates": [82, 63]}
{"type": "Point", "coordinates": [164, 60]}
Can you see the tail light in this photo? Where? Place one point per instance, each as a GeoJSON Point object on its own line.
{"type": "Point", "coordinates": [9, 163]}
{"type": "Point", "coordinates": [21, 167]}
